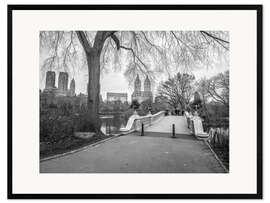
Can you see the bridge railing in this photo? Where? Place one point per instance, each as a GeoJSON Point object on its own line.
{"type": "Point", "coordinates": [135, 122]}
{"type": "Point", "coordinates": [148, 120]}
{"type": "Point", "coordinates": [195, 125]}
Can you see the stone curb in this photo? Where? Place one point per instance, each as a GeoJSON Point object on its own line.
{"type": "Point", "coordinates": [80, 149]}
{"type": "Point", "coordinates": [216, 156]}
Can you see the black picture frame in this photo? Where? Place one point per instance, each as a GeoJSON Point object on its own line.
{"type": "Point", "coordinates": [257, 8]}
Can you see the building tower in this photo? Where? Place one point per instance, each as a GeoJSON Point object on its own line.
{"type": "Point", "coordinates": [136, 95]}
{"type": "Point", "coordinates": [63, 81]}
{"type": "Point", "coordinates": [137, 84]}
{"type": "Point", "coordinates": [147, 94]}
{"type": "Point", "coordinates": [147, 85]}
{"type": "Point", "coordinates": [72, 87]}
{"type": "Point", "coordinates": [50, 80]}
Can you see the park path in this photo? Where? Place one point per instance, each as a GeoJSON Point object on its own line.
{"type": "Point", "coordinates": [139, 154]}
{"type": "Point", "coordinates": [165, 125]}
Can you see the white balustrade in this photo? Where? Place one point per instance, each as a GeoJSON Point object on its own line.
{"type": "Point", "coordinates": [135, 121]}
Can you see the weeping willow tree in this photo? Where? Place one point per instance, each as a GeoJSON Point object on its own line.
{"type": "Point", "coordinates": [143, 52]}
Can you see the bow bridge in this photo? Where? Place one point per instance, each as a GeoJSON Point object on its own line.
{"type": "Point", "coordinates": [160, 123]}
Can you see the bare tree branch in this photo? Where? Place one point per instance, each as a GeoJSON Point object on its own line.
{"type": "Point", "coordinates": [116, 40]}
{"type": "Point", "coordinates": [214, 37]}
{"type": "Point", "coordinates": [134, 54]}
{"type": "Point", "coordinates": [84, 42]}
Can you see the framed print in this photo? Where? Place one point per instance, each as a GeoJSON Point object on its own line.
{"type": "Point", "coordinates": [135, 101]}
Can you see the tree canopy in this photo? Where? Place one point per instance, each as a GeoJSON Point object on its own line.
{"type": "Point", "coordinates": [144, 52]}
{"type": "Point", "coordinates": [178, 89]}
{"type": "Point", "coordinates": [216, 88]}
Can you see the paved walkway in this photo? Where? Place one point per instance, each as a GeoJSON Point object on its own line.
{"type": "Point", "coordinates": [136, 154]}
{"type": "Point", "coordinates": [165, 125]}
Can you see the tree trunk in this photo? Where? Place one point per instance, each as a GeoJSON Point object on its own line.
{"type": "Point", "coordinates": [93, 61]}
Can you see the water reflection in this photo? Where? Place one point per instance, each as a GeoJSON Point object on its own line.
{"type": "Point", "coordinates": [111, 124]}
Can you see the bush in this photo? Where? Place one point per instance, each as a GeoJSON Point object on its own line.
{"type": "Point", "coordinates": [219, 141]}
{"type": "Point", "coordinates": [59, 123]}
{"type": "Point", "coordinates": [135, 104]}
{"type": "Point", "coordinates": [55, 127]}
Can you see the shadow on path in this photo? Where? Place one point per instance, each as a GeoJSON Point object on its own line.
{"type": "Point", "coordinates": [152, 153]}
{"type": "Point", "coordinates": [166, 135]}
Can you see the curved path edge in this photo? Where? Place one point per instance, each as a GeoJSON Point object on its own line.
{"type": "Point", "coordinates": [79, 149]}
{"type": "Point", "coordinates": [216, 157]}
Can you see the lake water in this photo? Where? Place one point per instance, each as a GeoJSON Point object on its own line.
{"type": "Point", "coordinates": [111, 124]}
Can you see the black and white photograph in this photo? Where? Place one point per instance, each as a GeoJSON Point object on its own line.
{"type": "Point", "coordinates": [134, 101]}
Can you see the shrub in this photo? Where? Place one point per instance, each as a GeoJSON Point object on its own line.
{"type": "Point", "coordinates": [59, 123]}
{"type": "Point", "coordinates": [135, 104]}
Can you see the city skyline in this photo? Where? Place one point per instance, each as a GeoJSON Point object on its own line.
{"type": "Point", "coordinates": [120, 83]}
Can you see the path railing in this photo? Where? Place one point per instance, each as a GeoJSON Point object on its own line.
{"type": "Point", "coordinates": [219, 137]}
{"type": "Point", "coordinates": [195, 125]}
{"type": "Point", "coordinates": [135, 122]}
{"type": "Point", "coordinates": [215, 135]}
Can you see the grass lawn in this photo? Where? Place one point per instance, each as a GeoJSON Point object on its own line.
{"type": "Point", "coordinates": [223, 155]}
{"type": "Point", "coordinates": [68, 144]}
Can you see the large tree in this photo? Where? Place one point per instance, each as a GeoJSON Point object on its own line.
{"type": "Point", "coordinates": [216, 88]}
{"type": "Point", "coordinates": [178, 89]}
{"type": "Point", "coordinates": [219, 88]}
{"type": "Point", "coordinates": [144, 52]}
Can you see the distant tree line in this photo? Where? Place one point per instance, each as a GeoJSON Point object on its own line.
{"type": "Point", "coordinates": [210, 97]}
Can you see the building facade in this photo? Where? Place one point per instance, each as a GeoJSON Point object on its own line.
{"type": "Point", "coordinates": [61, 94]}
{"type": "Point", "coordinates": [62, 89]}
{"type": "Point", "coordinates": [50, 80]}
{"type": "Point", "coordinates": [140, 95]}
{"type": "Point", "coordinates": [72, 88]}
{"type": "Point", "coordinates": [112, 96]}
